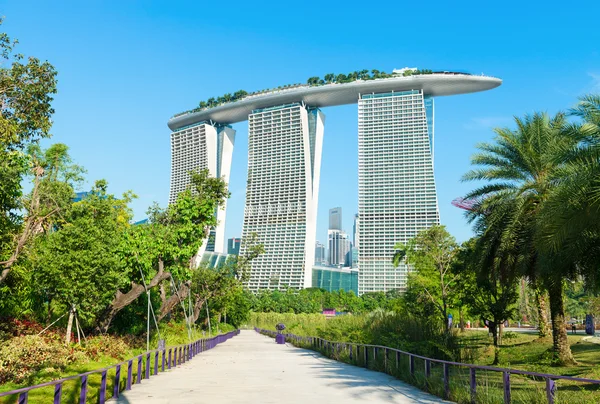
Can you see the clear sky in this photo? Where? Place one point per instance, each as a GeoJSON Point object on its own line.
{"type": "Point", "coordinates": [125, 67]}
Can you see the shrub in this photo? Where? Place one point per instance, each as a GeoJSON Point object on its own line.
{"type": "Point", "coordinates": [21, 357]}
{"type": "Point", "coordinates": [115, 347]}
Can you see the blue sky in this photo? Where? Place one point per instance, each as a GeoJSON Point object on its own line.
{"type": "Point", "coordinates": [125, 67]}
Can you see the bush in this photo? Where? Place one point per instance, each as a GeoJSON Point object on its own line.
{"type": "Point", "coordinates": [115, 347]}
{"type": "Point", "coordinates": [21, 357]}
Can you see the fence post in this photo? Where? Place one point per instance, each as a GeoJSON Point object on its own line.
{"type": "Point", "coordinates": [164, 352]}
{"type": "Point", "coordinates": [366, 357]}
{"type": "Point", "coordinates": [139, 372]}
{"type": "Point", "coordinates": [506, 379]}
{"type": "Point", "coordinates": [155, 363]}
{"type": "Point", "coordinates": [446, 381]}
{"type": "Point", "coordinates": [550, 390]}
{"type": "Point", "coordinates": [117, 381]}
{"type": "Point", "coordinates": [148, 365]}
{"type": "Point", "coordinates": [351, 349]}
{"type": "Point", "coordinates": [427, 368]}
{"type": "Point", "coordinates": [84, 387]}
{"type": "Point", "coordinates": [102, 393]}
{"type": "Point", "coordinates": [129, 371]}
{"type": "Point", "coordinates": [23, 397]}
{"type": "Point", "coordinates": [375, 357]}
{"type": "Point", "coordinates": [169, 361]}
{"type": "Point", "coordinates": [473, 386]}
{"type": "Point", "coordinates": [385, 359]}
{"type": "Point", "coordinates": [58, 393]}
{"type": "Point", "coordinates": [411, 364]}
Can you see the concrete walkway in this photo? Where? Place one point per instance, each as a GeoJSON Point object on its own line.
{"type": "Point", "coordinates": [252, 368]}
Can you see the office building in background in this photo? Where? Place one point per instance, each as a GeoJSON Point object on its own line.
{"type": "Point", "coordinates": [233, 246]}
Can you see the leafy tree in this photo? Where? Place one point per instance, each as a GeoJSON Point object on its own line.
{"type": "Point", "coordinates": [77, 263]}
{"type": "Point", "coordinates": [166, 247]}
{"type": "Point", "coordinates": [522, 167]}
{"type": "Point", "coordinates": [432, 253]}
{"type": "Point", "coordinates": [312, 81]}
{"type": "Point", "coordinates": [26, 90]}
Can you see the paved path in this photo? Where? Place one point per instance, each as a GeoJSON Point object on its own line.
{"type": "Point", "coordinates": [252, 368]}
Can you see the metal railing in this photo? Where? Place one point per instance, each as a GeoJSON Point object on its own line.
{"type": "Point", "coordinates": [170, 358]}
{"type": "Point", "coordinates": [360, 353]}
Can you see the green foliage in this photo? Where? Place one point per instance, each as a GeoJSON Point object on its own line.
{"type": "Point", "coordinates": [523, 169]}
{"type": "Point", "coordinates": [432, 254]}
{"type": "Point", "coordinates": [77, 263]}
{"type": "Point", "coordinates": [26, 89]}
{"type": "Point", "coordinates": [22, 357]}
{"type": "Point", "coordinates": [311, 81]}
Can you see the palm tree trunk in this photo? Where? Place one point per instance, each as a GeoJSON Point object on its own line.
{"type": "Point", "coordinates": [561, 347]}
{"type": "Point", "coordinates": [542, 309]}
{"type": "Point", "coordinates": [494, 330]}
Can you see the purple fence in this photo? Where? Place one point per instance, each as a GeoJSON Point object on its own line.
{"type": "Point", "coordinates": [360, 352]}
{"type": "Point", "coordinates": [176, 356]}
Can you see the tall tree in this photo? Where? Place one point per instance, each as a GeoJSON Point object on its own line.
{"type": "Point", "coordinates": [432, 253]}
{"type": "Point", "coordinates": [165, 248]}
{"type": "Point", "coordinates": [521, 168]}
{"type": "Point", "coordinates": [26, 89]}
{"type": "Point", "coordinates": [77, 263]}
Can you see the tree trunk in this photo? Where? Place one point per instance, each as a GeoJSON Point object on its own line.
{"type": "Point", "coordinates": [494, 330]}
{"type": "Point", "coordinates": [49, 316]}
{"type": "Point", "coordinates": [69, 326]}
{"type": "Point", "coordinates": [561, 347]}
{"type": "Point", "coordinates": [31, 226]}
{"type": "Point", "coordinates": [525, 300]}
{"type": "Point", "coordinates": [176, 298]}
{"type": "Point", "coordinates": [542, 308]}
{"type": "Point", "coordinates": [197, 307]}
{"type": "Point", "coordinates": [122, 300]}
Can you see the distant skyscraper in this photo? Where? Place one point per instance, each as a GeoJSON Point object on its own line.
{"type": "Point", "coordinates": [396, 188]}
{"type": "Point", "coordinates": [355, 231]}
{"type": "Point", "coordinates": [319, 254]}
{"type": "Point", "coordinates": [339, 246]}
{"type": "Point", "coordinates": [233, 246]}
{"type": "Point", "coordinates": [335, 219]}
{"type": "Point", "coordinates": [197, 147]}
{"type": "Point", "coordinates": [284, 163]}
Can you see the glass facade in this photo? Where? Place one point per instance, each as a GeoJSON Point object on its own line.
{"type": "Point", "coordinates": [396, 187]}
{"type": "Point", "coordinates": [332, 279]}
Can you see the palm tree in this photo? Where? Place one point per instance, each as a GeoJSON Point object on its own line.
{"type": "Point", "coordinates": [574, 204]}
{"type": "Point", "coordinates": [521, 168]}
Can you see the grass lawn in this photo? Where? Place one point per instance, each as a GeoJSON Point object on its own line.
{"type": "Point", "coordinates": [527, 351]}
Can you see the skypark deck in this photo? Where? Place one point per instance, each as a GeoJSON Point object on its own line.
{"type": "Point", "coordinates": [437, 84]}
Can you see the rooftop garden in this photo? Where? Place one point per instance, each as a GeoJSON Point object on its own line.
{"type": "Point", "coordinates": [315, 81]}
